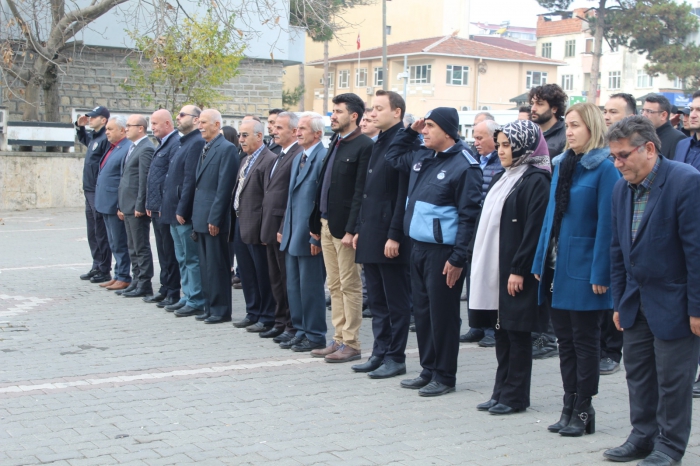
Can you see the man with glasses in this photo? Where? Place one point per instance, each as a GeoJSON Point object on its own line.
{"type": "Point", "coordinates": [97, 146]}
{"type": "Point", "coordinates": [132, 205]}
{"type": "Point", "coordinates": [657, 109]}
{"type": "Point", "coordinates": [655, 264]}
{"type": "Point", "coordinates": [162, 128]}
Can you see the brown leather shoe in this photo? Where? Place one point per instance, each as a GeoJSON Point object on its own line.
{"type": "Point", "coordinates": [322, 353]}
{"type": "Point", "coordinates": [109, 283]}
{"type": "Point", "coordinates": [344, 354]}
{"type": "Point", "coordinates": [118, 285]}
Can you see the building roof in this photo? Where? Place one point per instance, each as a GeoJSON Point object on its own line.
{"type": "Point", "coordinates": [506, 43]}
{"type": "Point", "coordinates": [445, 46]}
{"type": "Point", "coordinates": [569, 22]}
{"type": "Point", "coordinates": [496, 27]}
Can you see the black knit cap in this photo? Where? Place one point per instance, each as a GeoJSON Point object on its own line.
{"type": "Point", "coordinates": [446, 118]}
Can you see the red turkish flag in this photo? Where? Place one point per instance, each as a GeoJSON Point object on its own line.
{"type": "Point", "coordinates": [358, 41]}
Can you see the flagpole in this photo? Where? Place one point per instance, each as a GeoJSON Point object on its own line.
{"type": "Point", "coordinates": [358, 58]}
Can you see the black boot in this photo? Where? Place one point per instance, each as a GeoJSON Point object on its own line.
{"type": "Point", "coordinates": [582, 419]}
{"type": "Point", "coordinates": [569, 399]}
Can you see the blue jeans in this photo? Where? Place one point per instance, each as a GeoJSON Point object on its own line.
{"type": "Point", "coordinates": [187, 254]}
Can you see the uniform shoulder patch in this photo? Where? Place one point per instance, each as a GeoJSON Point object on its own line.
{"type": "Point", "coordinates": [469, 157]}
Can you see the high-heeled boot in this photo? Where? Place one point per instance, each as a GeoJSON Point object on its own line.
{"type": "Point", "coordinates": [569, 399]}
{"type": "Point", "coordinates": [582, 419]}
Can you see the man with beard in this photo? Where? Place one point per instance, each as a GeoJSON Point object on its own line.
{"type": "Point", "coordinates": [548, 105]}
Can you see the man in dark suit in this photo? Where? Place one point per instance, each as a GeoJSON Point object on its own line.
{"type": "Point", "coordinates": [383, 248]}
{"type": "Point", "coordinates": [657, 109]}
{"type": "Point", "coordinates": [251, 253]}
{"type": "Point", "coordinates": [271, 143]}
{"type": "Point", "coordinates": [132, 207]}
{"type": "Point", "coordinates": [178, 196]}
{"type": "Point", "coordinates": [655, 262]}
{"type": "Point", "coordinates": [334, 221]}
{"type": "Point", "coordinates": [97, 146]}
{"type": "Point", "coordinates": [688, 150]}
{"type": "Point", "coordinates": [211, 216]}
{"type": "Point", "coordinates": [106, 192]}
{"type": "Point", "coordinates": [276, 186]}
{"type": "Point", "coordinates": [162, 128]}
{"type": "Point", "coordinates": [306, 272]}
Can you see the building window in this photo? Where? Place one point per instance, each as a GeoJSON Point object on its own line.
{"type": "Point", "coordinates": [547, 50]}
{"type": "Point", "coordinates": [567, 82]}
{"type": "Point", "coordinates": [569, 48]}
{"type": "Point", "coordinates": [644, 80]}
{"type": "Point", "coordinates": [330, 80]}
{"type": "Point", "coordinates": [379, 76]}
{"type": "Point", "coordinates": [614, 80]}
{"type": "Point", "coordinates": [677, 83]}
{"type": "Point", "coordinates": [343, 79]}
{"type": "Point", "coordinates": [419, 74]}
{"type": "Point", "coordinates": [589, 45]}
{"type": "Point", "coordinates": [534, 79]}
{"type": "Point", "coordinates": [361, 77]}
{"type": "Point", "coordinates": [458, 75]}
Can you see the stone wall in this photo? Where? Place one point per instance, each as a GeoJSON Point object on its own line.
{"type": "Point", "coordinates": [95, 74]}
{"type": "Point", "coordinates": [32, 180]}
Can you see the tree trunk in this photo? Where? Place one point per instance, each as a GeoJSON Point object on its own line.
{"type": "Point", "coordinates": [597, 52]}
{"type": "Point", "coordinates": [31, 99]}
{"type": "Point", "coordinates": [325, 78]}
{"type": "Point", "coordinates": [51, 99]}
{"type": "Point", "coordinates": [302, 83]}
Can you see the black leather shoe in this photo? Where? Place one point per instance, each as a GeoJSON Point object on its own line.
{"type": "Point", "coordinates": [569, 400]}
{"type": "Point", "coordinates": [187, 311]}
{"type": "Point", "coordinates": [154, 298]}
{"type": "Point", "coordinates": [202, 317]}
{"type": "Point", "coordinates": [169, 301]}
{"type": "Point", "coordinates": [101, 277]}
{"type": "Point", "coordinates": [174, 307]}
{"type": "Point", "coordinates": [435, 388]}
{"type": "Point", "coordinates": [489, 341]}
{"type": "Point", "coordinates": [367, 313]}
{"type": "Point", "coordinates": [371, 364]}
{"type": "Point", "coordinates": [272, 333]}
{"type": "Point", "coordinates": [486, 405]}
{"type": "Point", "coordinates": [243, 323]}
{"type": "Point", "coordinates": [414, 384]}
{"type": "Point", "coordinates": [291, 342]}
{"type": "Point", "coordinates": [138, 293]}
{"type": "Point", "coordinates": [472, 336]}
{"type": "Point", "coordinates": [216, 320]}
{"type": "Point", "coordinates": [501, 409]}
{"type": "Point", "coordinates": [388, 369]}
{"type": "Point", "coordinates": [89, 275]}
{"type": "Point", "coordinates": [658, 458]}
{"type": "Point", "coordinates": [626, 452]}
{"type": "Point", "coordinates": [305, 346]}
{"type": "Point", "coordinates": [284, 336]}
{"type": "Point", "coordinates": [258, 327]}
{"type": "Point", "coordinates": [131, 287]}
{"type": "Point", "coordinates": [608, 366]}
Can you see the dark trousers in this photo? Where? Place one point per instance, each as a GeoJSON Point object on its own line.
{"type": "Point", "coordinates": [610, 337]}
{"type": "Point", "coordinates": [307, 299]}
{"type": "Point", "coordinates": [660, 376]}
{"type": "Point", "coordinates": [436, 310]}
{"type": "Point", "coordinates": [255, 280]}
{"type": "Point", "coordinates": [216, 278]}
{"type": "Point", "coordinates": [116, 235]}
{"type": "Point", "coordinates": [97, 236]}
{"type": "Point", "coordinates": [169, 268]}
{"type": "Point", "coordinates": [138, 231]}
{"type": "Point", "coordinates": [514, 373]}
{"type": "Point", "coordinates": [578, 335]}
{"type": "Point", "coordinates": [277, 271]}
{"type": "Point", "coordinates": [389, 298]}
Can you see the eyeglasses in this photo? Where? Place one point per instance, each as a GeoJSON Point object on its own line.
{"type": "Point", "coordinates": [243, 135]}
{"type": "Point", "coordinates": [132, 126]}
{"type": "Point", "coordinates": [183, 115]}
{"type": "Point", "coordinates": [624, 156]}
{"type": "Point", "coordinates": [651, 112]}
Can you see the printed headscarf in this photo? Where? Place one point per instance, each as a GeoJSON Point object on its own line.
{"type": "Point", "coordinates": [527, 144]}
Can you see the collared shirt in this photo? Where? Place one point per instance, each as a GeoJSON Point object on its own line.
{"type": "Point", "coordinates": [305, 155]}
{"type": "Point", "coordinates": [640, 197]}
{"type": "Point", "coordinates": [165, 138]}
{"type": "Point", "coordinates": [244, 173]}
{"type": "Point", "coordinates": [109, 152]}
{"type": "Point", "coordinates": [280, 157]}
{"type": "Point", "coordinates": [208, 145]}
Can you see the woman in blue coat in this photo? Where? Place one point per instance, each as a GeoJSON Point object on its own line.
{"type": "Point", "coordinates": [573, 261]}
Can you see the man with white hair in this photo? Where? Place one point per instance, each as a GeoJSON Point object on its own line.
{"type": "Point", "coordinates": [211, 216]}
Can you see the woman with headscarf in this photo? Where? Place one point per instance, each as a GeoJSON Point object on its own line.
{"type": "Point", "coordinates": [503, 250]}
{"type": "Point", "coordinates": [573, 261]}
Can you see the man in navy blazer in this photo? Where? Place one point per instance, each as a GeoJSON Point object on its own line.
{"type": "Point", "coordinates": [688, 150]}
{"type": "Point", "coordinates": [655, 261]}
{"type": "Point", "coordinates": [211, 216]}
{"type": "Point", "coordinates": [106, 200]}
{"type": "Point", "coordinates": [306, 270]}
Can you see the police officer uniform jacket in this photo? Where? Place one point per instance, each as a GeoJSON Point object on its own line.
{"type": "Point", "coordinates": [97, 146]}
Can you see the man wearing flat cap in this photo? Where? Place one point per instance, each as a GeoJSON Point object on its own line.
{"type": "Point", "coordinates": [444, 198]}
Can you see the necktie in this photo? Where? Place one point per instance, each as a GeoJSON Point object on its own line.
{"type": "Point", "coordinates": [279, 159]}
{"type": "Point", "coordinates": [128, 154]}
{"type": "Point", "coordinates": [241, 179]}
{"type": "Point", "coordinates": [104, 161]}
{"type": "Point", "coordinates": [303, 160]}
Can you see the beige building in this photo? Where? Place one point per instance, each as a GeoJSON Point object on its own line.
{"type": "Point", "coordinates": [440, 71]}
